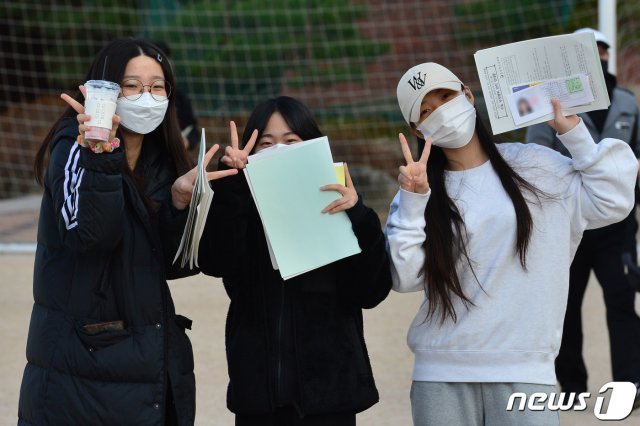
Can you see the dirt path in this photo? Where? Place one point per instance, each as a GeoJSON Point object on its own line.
{"type": "Point", "coordinates": [203, 299]}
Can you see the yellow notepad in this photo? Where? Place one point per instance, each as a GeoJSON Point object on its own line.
{"type": "Point", "coordinates": [340, 173]}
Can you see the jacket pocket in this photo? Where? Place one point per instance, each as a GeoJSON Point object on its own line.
{"type": "Point", "coordinates": [96, 336]}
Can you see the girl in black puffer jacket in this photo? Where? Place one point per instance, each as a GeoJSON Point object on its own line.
{"type": "Point", "coordinates": [295, 350]}
{"type": "Point", "coordinates": [105, 346]}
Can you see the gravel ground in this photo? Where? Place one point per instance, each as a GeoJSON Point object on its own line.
{"type": "Point", "coordinates": [203, 299]}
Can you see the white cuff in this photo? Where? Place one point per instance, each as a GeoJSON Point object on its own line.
{"type": "Point", "coordinates": [412, 204]}
{"type": "Point", "coordinates": [578, 141]}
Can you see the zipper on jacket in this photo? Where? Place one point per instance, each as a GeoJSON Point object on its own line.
{"type": "Point", "coordinates": [299, 403]}
{"type": "Point", "coordinates": [165, 372]}
{"type": "Point", "coordinates": [279, 350]}
{"type": "Point", "coordinates": [165, 346]}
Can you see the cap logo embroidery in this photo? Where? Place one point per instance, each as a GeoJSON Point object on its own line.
{"type": "Point", "coordinates": [417, 81]}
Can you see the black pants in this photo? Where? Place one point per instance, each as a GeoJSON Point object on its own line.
{"type": "Point", "coordinates": [288, 416]}
{"type": "Point", "coordinates": [601, 250]}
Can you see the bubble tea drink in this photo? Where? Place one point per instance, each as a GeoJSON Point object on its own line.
{"type": "Point", "coordinates": [100, 104]}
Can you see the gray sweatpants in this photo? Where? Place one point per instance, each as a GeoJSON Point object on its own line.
{"type": "Point", "coordinates": [476, 404]}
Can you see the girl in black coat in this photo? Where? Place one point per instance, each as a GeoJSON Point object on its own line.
{"type": "Point", "coordinates": [295, 350]}
{"type": "Point", "coordinates": [105, 346]}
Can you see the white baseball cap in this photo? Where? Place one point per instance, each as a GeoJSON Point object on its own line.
{"type": "Point", "coordinates": [420, 80]}
{"type": "Point", "coordinates": [600, 37]}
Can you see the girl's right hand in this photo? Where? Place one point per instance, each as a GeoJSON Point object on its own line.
{"type": "Point", "coordinates": [82, 117]}
{"type": "Point", "coordinates": [413, 176]}
{"type": "Point", "coordinates": [235, 157]}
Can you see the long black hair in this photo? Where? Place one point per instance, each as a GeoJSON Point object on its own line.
{"type": "Point", "coordinates": [110, 64]}
{"type": "Point", "coordinates": [445, 243]}
{"type": "Point", "coordinates": [297, 116]}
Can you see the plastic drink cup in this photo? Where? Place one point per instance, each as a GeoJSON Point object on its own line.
{"type": "Point", "coordinates": [100, 104]}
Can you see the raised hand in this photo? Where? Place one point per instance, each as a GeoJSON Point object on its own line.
{"type": "Point", "coordinates": [348, 192]}
{"type": "Point", "coordinates": [234, 156]}
{"type": "Point", "coordinates": [182, 188]}
{"type": "Point", "coordinates": [560, 123]}
{"type": "Point", "coordinates": [82, 117]}
{"type": "Point", "coordinates": [413, 176]}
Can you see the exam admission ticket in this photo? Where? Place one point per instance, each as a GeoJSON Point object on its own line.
{"type": "Point", "coordinates": [531, 101]}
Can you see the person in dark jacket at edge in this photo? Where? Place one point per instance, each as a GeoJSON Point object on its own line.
{"type": "Point", "coordinates": [186, 117]}
{"type": "Point", "coordinates": [105, 346]}
{"type": "Point", "coordinates": [610, 251]}
{"type": "Point", "coordinates": [296, 353]}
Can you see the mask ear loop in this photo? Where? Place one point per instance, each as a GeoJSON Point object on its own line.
{"type": "Point", "coordinates": [466, 89]}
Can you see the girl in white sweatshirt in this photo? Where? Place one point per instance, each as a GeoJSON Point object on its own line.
{"type": "Point", "coordinates": [487, 233]}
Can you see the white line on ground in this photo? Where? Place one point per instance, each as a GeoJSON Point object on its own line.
{"type": "Point", "coordinates": [17, 247]}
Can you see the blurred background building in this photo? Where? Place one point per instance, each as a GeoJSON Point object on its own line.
{"type": "Point", "coordinates": [341, 57]}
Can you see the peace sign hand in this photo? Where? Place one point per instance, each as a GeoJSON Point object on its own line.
{"type": "Point", "coordinates": [413, 176]}
{"type": "Point", "coordinates": [82, 117]}
{"type": "Point", "coordinates": [349, 194]}
{"type": "Point", "coordinates": [182, 188]}
{"type": "Point", "coordinates": [235, 157]}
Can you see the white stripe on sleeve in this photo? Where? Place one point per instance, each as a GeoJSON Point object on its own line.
{"type": "Point", "coordinates": [72, 178]}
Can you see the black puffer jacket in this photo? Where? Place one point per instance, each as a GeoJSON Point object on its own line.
{"type": "Point", "coordinates": [298, 342]}
{"type": "Point", "coordinates": [102, 257]}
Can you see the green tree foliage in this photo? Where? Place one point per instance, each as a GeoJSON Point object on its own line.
{"type": "Point", "coordinates": [250, 48]}
{"type": "Point", "coordinates": [628, 28]}
{"type": "Point", "coordinates": [481, 24]}
{"type": "Point", "coordinates": [66, 33]}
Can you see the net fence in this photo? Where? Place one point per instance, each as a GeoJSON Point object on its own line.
{"type": "Point", "coordinates": [342, 58]}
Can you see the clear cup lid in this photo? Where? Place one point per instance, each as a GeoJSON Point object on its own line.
{"type": "Point", "coordinates": [103, 84]}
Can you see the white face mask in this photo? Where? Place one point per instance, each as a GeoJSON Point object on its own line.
{"type": "Point", "coordinates": [452, 124]}
{"type": "Point", "coordinates": [143, 115]}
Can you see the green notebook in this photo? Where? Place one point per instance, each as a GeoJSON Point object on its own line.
{"type": "Point", "coordinates": [285, 184]}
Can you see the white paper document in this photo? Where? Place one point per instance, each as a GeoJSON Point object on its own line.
{"type": "Point", "coordinates": [198, 211]}
{"type": "Point", "coordinates": [285, 184]}
{"type": "Point", "coordinates": [519, 79]}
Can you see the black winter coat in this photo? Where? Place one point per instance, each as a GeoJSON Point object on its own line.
{"type": "Point", "coordinates": [102, 257]}
{"type": "Point", "coordinates": [298, 342]}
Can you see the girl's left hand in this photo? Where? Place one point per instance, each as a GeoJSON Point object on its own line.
{"type": "Point", "coordinates": [349, 194]}
{"type": "Point", "coordinates": [560, 123]}
{"type": "Point", "coordinates": [182, 188]}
